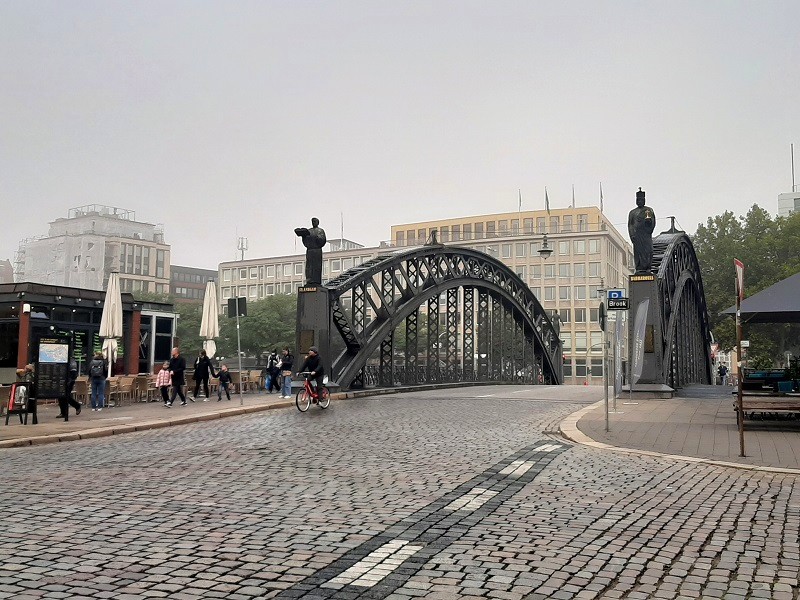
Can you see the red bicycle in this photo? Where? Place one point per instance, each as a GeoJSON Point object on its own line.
{"type": "Point", "coordinates": [307, 396]}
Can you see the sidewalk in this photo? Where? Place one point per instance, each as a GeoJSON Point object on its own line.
{"type": "Point", "coordinates": [698, 424]}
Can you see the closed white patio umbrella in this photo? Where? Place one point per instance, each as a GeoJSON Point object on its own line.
{"type": "Point", "coordinates": [111, 320]}
{"type": "Point", "coordinates": [209, 322]}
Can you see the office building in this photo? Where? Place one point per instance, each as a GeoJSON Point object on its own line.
{"type": "Point", "coordinates": [788, 203]}
{"type": "Point", "coordinates": [188, 284]}
{"type": "Point", "coordinates": [82, 249]}
{"type": "Point", "coordinates": [589, 255]}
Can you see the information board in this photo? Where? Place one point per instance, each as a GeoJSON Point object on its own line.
{"type": "Point", "coordinates": [50, 372]}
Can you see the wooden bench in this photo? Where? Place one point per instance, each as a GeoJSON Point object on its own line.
{"type": "Point", "coordinates": [782, 403]}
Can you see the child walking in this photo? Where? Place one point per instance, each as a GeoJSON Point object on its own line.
{"type": "Point", "coordinates": [224, 382]}
{"type": "Point", "coordinates": [163, 382]}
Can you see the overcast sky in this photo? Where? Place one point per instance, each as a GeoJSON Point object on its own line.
{"type": "Point", "coordinates": [220, 119]}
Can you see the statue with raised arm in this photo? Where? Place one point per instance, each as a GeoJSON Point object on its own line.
{"type": "Point", "coordinates": [313, 239]}
{"type": "Point", "coordinates": [641, 223]}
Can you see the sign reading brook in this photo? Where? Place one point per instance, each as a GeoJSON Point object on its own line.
{"type": "Point", "coordinates": [617, 300]}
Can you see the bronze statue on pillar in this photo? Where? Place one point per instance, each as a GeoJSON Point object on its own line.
{"type": "Point", "coordinates": [313, 239]}
{"type": "Point", "coordinates": [641, 223]}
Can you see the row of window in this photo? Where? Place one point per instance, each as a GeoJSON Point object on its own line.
{"type": "Point", "coordinates": [255, 292]}
{"type": "Point", "coordinates": [183, 292]}
{"type": "Point", "coordinates": [561, 270]}
{"type": "Point", "coordinates": [188, 277]}
{"type": "Point", "coordinates": [593, 338]}
{"type": "Point", "coordinates": [134, 259]}
{"type": "Point", "coordinates": [333, 265]}
{"type": "Point", "coordinates": [594, 367]}
{"type": "Point", "coordinates": [565, 292]}
{"type": "Point", "coordinates": [136, 285]}
{"type": "Point", "coordinates": [523, 249]}
{"type": "Point", "coordinates": [489, 229]}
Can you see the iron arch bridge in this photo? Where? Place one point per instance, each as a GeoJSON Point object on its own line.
{"type": "Point", "coordinates": [683, 315]}
{"type": "Point", "coordinates": [438, 313]}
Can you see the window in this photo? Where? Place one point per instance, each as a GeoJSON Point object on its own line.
{"type": "Point", "coordinates": [565, 315]}
{"type": "Point", "coordinates": [579, 270]}
{"type": "Point", "coordinates": [580, 315]}
{"type": "Point", "coordinates": [137, 260]}
{"type": "Point", "coordinates": [522, 272]}
{"type": "Point", "coordinates": [566, 223]}
{"type": "Point", "coordinates": [260, 272]}
{"type": "Point", "coordinates": [594, 246]}
{"type": "Point", "coordinates": [336, 265]}
{"type": "Point", "coordinates": [535, 248]}
{"type": "Point", "coordinates": [287, 270]}
{"type": "Point", "coordinates": [540, 225]}
{"type": "Point", "coordinates": [527, 225]}
{"type": "Point", "coordinates": [594, 294]}
{"type": "Point", "coordinates": [580, 341]}
{"type": "Point", "coordinates": [421, 236]}
{"type": "Point", "coordinates": [270, 270]}
{"type": "Point", "coordinates": [226, 274]}
{"type": "Point", "coordinates": [594, 269]}
{"type": "Point", "coordinates": [253, 291]}
{"type": "Point", "coordinates": [580, 292]}
{"type": "Point", "coordinates": [467, 231]}
{"type": "Point", "coordinates": [550, 292]}
{"type": "Point", "coordinates": [242, 274]}
{"type": "Point", "coordinates": [521, 250]}
{"type": "Point", "coordinates": [400, 238]}
{"type": "Point", "coordinates": [514, 226]}
{"type": "Point", "coordinates": [563, 248]}
{"type": "Point", "coordinates": [503, 227]}
{"type": "Point", "coordinates": [563, 270]}
{"type": "Point", "coordinates": [491, 250]}
{"type": "Point", "coordinates": [287, 288]}
{"type": "Point", "coordinates": [580, 367]}
{"type": "Point", "coordinates": [579, 247]}
{"type": "Point", "coordinates": [549, 271]}
{"type": "Point", "coordinates": [583, 222]}
{"type": "Point", "coordinates": [537, 291]}
{"type": "Point", "coordinates": [347, 263]}
{"type": "Point", "coordinates": [269, 289]}
{"type": "Point", "coordinates": [242, 291]}
{"type": "Point", "coordinates": [536, 271]}
{"type": "Point", "coordinates": [594, 315]}
{"type": "Point", "coordinates": [410, 237]}
{"type": "Point", "coordinates": [563, 292]}
{"type": "Point", "coordinates": [490, 229]}
{"type": "Point", "coordinates": [146, 261]}
{"type": "Point", "coordinates": [478, 231]}
{"type": "Point", "coordinates": [253, 272]}
{"type": "Point", "coordinates": [553, 224]}
{"type": "Point", "coordinates": [597, 341]}
{"type": "Point", "coordinates": [567, 367]}
{"type": "Point", "coordinates": [456, 231]}
{"type": "Point", "coordinates": [298, 268]}
{"type": "Point", "coordinates": [444, 234]}
{"type": "Point", "coordinates": [160, 261]}
{"type": "Point", "coordinates": [597, 367]}
{"type": "Point", "coordinates": [506, 250]}
{"type": "Point", "coordinates": [566, 342]}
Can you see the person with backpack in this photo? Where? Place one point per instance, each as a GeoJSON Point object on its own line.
{"type": "Point", "coordinates": [273, 372]}
{"type": "Point", "coordinates": [67, 400]}
{"type": "Point", "coordinates": [97, 377]}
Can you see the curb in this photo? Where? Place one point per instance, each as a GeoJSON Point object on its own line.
{"type": "Point", "coordinates": [569, 429]}
{"type": "Point", "coordinates": [230, 412]}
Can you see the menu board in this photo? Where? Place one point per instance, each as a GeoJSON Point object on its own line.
{"type": "Point", "coordinates": [51, 369]}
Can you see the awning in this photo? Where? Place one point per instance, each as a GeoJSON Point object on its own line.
{"type": "Point", "coordinates": [779, 303]}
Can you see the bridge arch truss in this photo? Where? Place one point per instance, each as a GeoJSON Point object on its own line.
{"type": "Point", "coordinates": [488, 325]}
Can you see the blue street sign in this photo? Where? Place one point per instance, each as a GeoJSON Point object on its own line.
{"type": "Point", "coordinates": [616, 294]}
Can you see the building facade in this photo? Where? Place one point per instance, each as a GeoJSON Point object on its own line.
{"type": "Point", "coordinates": [257, 278]}
{"type": "Point", "coordinates": [788, 203]}
{"type": "Point", "coordinates": [93, 241]}
{"type": "Point", "coordinates": [588, 255]}
{"type": "Point", "coordinates": [188, 284]}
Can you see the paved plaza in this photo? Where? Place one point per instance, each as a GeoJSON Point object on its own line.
{"type": "Point", "coordinates": [439, 494]}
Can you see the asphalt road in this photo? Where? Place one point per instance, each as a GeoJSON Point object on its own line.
{"type": "Point", "coordinates": [447, 494]}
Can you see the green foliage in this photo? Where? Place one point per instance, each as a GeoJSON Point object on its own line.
{"type": "Point", "coordinates": [269, 324]}
{"type": "Point", "coordinates": [769, 250]}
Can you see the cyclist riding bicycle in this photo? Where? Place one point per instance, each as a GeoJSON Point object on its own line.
{"type": "Point", "coordinates": [313, 366]}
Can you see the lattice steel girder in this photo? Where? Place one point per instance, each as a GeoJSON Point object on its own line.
{"type": "Point", "coordinates": [451, 337]}
{"type": "Point", "coordinates": [468, 332]}
{"type": "Point", "coordinates": [484, 329]}
{"type": "Point", "coordinates": [412, 347]}
{"type": "Point", "coordinates": [432, 362]}
{"type": "Point", "coordinates": [386, 375]}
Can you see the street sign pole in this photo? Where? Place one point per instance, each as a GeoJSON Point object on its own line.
{"type": "Point", "coordinates": [239, 353]}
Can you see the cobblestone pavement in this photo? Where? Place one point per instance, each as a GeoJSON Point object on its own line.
{"type": "Point", "coordinates": [449, 494]}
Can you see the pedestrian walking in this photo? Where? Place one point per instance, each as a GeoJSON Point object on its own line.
{"type": "Point", "coordinates": [287, 360]}
{"type": "Point", "coordinates": [97, 376]}
{"type": "Point", "coordinates": [273, 372]}
{"type": "Point", "coordinates": [67, 400]}
{"type": "Point", "coordinates": [177, 370]}
{"type": "Point", "coordinates": [224, 382]}
{"type": "Point", "coordinates": [163, 381]}
{"type": "Point", "coordinates": [202, 371]}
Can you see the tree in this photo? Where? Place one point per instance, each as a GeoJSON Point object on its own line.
{"type": "Point", "coordinates": [269, 324]}
{"type": "Point", "coordinates": [768, 248]}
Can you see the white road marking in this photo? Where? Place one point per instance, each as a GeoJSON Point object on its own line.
{"type": "Point", "coordinates": [486, 396]}
{"type": "Point", "coordinates": [472, 500]}
{"type": "Point", "coordinates": [376, 565]}
{"type": "Point", "coordinates": [547, 448]}
{"type": "Point", "coordinates": [517, 468]}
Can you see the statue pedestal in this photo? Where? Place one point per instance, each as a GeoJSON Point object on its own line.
{"type": "Point", "coordinates": [313, 325]}
{"type": "Point", "coordinates": [644, 333]}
